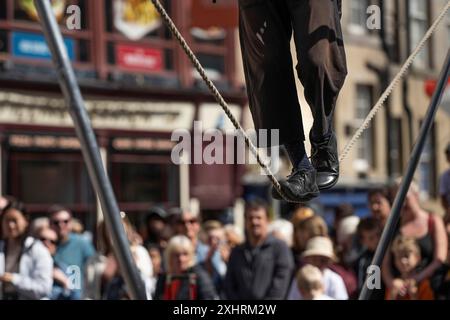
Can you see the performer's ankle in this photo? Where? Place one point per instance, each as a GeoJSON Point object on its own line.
{"type": "Point", "coordinates": [297, 155]}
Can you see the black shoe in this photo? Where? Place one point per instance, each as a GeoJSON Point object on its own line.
{"type": "Point", "coordinates": [324, 157]}
{"type": "Point", "coordinates": [299, 187]}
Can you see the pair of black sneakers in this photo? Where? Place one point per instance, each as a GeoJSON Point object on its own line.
{"type": "Point", "coordinates": [304, 185]}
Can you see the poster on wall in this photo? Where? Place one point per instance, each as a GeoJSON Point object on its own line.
{"type": "Point", "coordinates": [59, 8]}
{"type": "Point", "coordinates": [135, 18]}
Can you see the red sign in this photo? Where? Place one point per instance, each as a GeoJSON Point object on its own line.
{"type": "Point", "coordinates": [139, 59]}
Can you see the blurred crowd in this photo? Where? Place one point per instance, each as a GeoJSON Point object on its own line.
{"type": "Point", "coordinates": [181, 257]}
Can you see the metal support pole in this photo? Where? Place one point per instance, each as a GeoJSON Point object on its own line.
{"type": "Point", "coordinates": [394, 217]}
{"type": "Point", "coordinates": [89, 148]}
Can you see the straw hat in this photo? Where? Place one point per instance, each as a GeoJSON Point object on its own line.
{"type": "Point", "coordinates": [319, 246]}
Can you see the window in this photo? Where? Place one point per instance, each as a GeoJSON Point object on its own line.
{"type": "Point", "coordinates": [120, 41]}
{"type": "Point", "coordinates": [395, 152]}
{"type": "Point", "coordinates": [418, 25]}
{"type": "Point", "coordinates": [364, 155]}
{"type": "Point", "coordinates": [358, 16]}
{"type": "Point", "coordinates": [427, 168]}
{"type": "Point", "coordinates": [23, 43]}
{"type": "Point", "coordinates": [141, 180]}
{"type": "Point", "coordinates": [42, 179]}
{"type": "Point", "coordinates": [138, 42]}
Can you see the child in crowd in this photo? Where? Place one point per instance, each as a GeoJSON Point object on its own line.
{"type": "Point", "coordinates": [319, 253]}
{"type": "Point", "coordinates": [310, 283]}
{"type": "Point", "coordinates": [406, 259]}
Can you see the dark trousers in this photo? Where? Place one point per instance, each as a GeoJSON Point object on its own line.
{"type": "Point", "coordinates": [266, 27]}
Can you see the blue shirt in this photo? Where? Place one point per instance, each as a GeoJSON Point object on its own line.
{"type": "Point", "coordinates": [74, 252]}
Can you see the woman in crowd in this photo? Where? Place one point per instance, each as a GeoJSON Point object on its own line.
{"type": "Point", "coordinates": [103, 278]}
{"type": "Point", "coordinates": [26, 266]}
{"type": "Point", "coordinates": [183, 279]}
{"type": "Point", "coordinates": [308, 228]}
{"type": "Point", "coordinates": [379, 201]}
{"type": "Point", "coordinates": [429, 232]}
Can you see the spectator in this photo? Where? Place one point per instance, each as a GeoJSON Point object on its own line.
{"type": "Point", "coordinates": [306, 229]}
{"type": "Point", "coordinates": [262, 267]}
{"type": "Point", "coordinates": [369, 233]}
{"type": "Point", "coordinates": [184, 279]}
{"type": "Point", "coordinates": [233, 237]}
{"type": "Point", "coordinates": [443, 292]}
{"type": "Point", "coordinates": [73, 250]}
{"type": "Point", "coordinates": [103, 277]}
{"type": "Point", "coordinates": [154, 252]}
{"type": "Point", "coordinates": [301, 213]}
{"type": "Point", "coordinates": [39, 224]}
{"type": "Point", "coordinates": [62, 285]}
{"type": "Point", "coordinates": [310, 283]}
{"type": "Point", "coordinates": [4, 201]}
{"type": "Point", "coordinates": [429, 231]}
{"type": "Point", "coordinates": [319, 253]}
{"type": "Point", "coordinates": [444, 188]}
{"type": "Point", "coordinates": [379, 204]}
{"type": "Point", "coordinates": [341, 212]}
{"type": "Point", "coordinates": [25, 264]}
{"type": "Point", "coordinates": [188, 224]}
{"type": "Point", "coordinates": [155, 223]}
{"type": "Point", "coordinates": [346, 240]}
{"type": "Point", "coordinates": [214, 263]}
{"type": "Point", "coordinates": [78, 228]}
{"type": "Point", "coordinates": [173, 216]}
{"type": "Point", "coordinates": [282, 230]}
{"type": "Point", "coordinates": [406, 259]}
{"type": "Point", "coordinates": [347, 253]}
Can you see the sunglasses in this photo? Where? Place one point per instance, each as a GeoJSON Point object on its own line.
{"type": "Point", "coordinates": [58, 222]}
{"type": "Point", "coordinates": [48, 240]}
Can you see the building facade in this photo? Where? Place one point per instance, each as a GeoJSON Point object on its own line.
{"type": "Point", "coordinates": [138, 86]}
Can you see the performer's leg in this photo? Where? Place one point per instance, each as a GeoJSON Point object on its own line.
{"type": "Point", "coordinates": [265, 31]}
{"type": "Point", "coordinates": [322, 69]}
{"type": "Point", "coordinates": [265, 34]}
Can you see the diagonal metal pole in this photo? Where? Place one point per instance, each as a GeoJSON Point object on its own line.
{"type": "Point", "coordinates": [90, 150]}
{"type": "Point", "coordinates": [394, 217]}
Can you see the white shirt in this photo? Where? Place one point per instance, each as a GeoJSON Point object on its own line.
{"type": "Point", "coordinates": [332, 282]}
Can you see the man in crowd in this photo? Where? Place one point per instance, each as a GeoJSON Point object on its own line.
{"type": "Point", "coordinates": [73, 250]}
{"type": "Point", "coordinates": [261, 267]}
{"type": "Point", "coordinates": [62, 284]}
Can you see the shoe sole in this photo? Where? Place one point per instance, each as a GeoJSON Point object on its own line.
{"type": "Point", "coordinates": [302, 199]}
